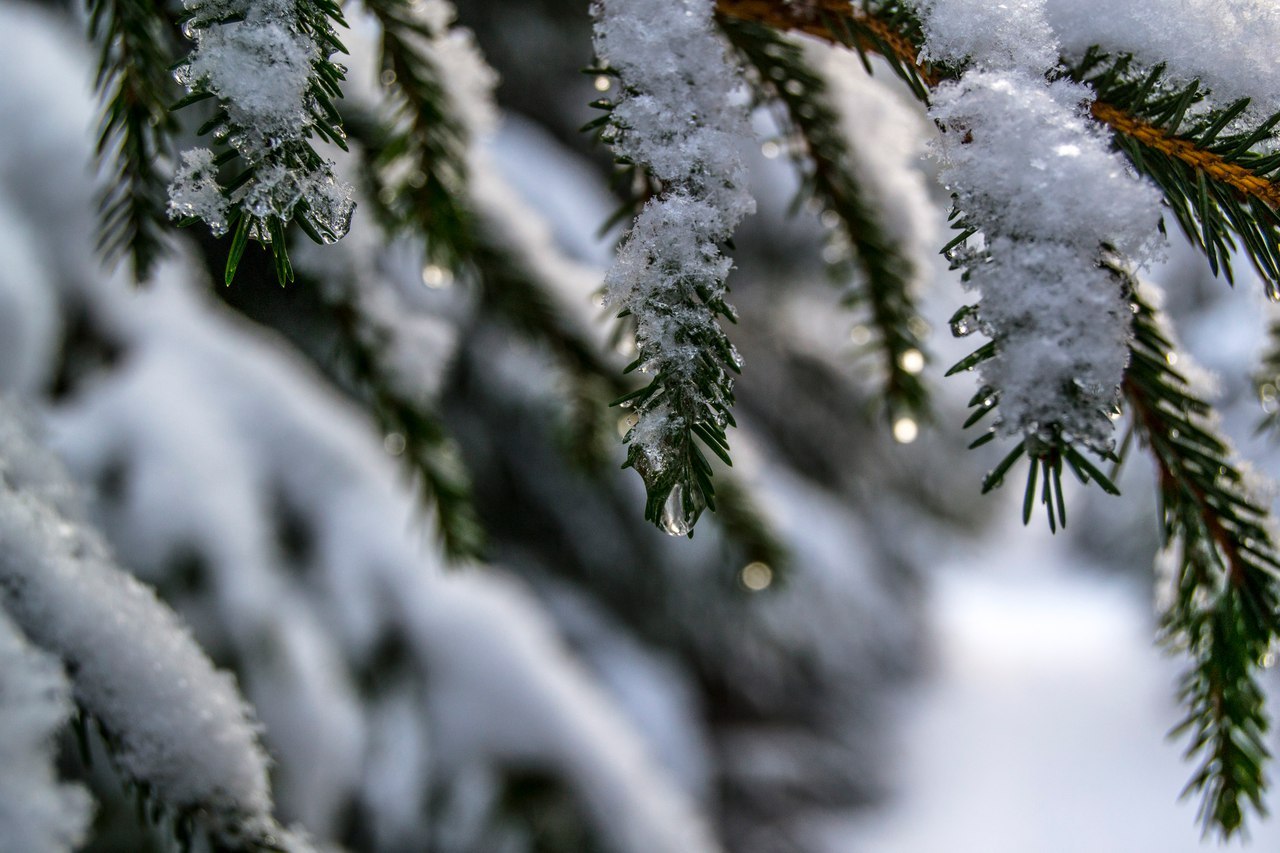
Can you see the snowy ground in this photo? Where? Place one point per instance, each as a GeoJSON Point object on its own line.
{"type": "Point", "coordinates": [1040, 728]}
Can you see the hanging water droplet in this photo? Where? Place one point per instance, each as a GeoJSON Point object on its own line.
{"type": "Point", "coordinates": [674, 520]}
{"type": "Point", "coordinates": [965, 321]}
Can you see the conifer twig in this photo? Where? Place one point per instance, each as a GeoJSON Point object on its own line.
{"type": "Point", "coordinates": [1216, 186]}
{"type": "Point", "coordinates": [1226, 584]}
{"type": "Point", "coordinates": [887, 268]}
{"type": "Point", "coordinates": [135, 49]}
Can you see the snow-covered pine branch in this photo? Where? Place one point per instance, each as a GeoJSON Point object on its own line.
{"type": "Point", "coordinates": [1027, 168]}
{"type": "Point", "coordinates": [266, 64]}
{"type": "Point", "coordinates": [173, 722]}
{"type": "Point", "coordinates": [681, 116]}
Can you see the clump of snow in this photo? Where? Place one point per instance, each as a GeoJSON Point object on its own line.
{"type": "Point", "coordinates": [259, 67]}
{"type": "Point", "coordinates": [1027, 167]}
{"type": "Point", "coordinates": [195, 191]}
{"type": "Point", "coordinates": [1010, 34]}
{"type": "Point", "coordinates": [260, 64]}
{"type": "Point", "coordinates": [1230, 47]}
{"type": "Point", "coordinates": [682, 117]}
{"type": "Point", "coordinates": [36, 812]}
{"type": "Point", "coordinates": [175, 721]}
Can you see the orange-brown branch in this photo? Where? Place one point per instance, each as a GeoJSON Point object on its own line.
{"type": "Point", "coordinates": [812, 17]}
{"type": "Point", "coordinates": [1235, 176]}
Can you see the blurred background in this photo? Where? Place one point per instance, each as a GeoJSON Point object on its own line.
{"type": "Point", "coordinates": [869, 657]}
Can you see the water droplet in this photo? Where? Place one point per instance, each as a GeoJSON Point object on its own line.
{"type": "Point", "coordinates": [829, 219]}
{"type": "Point", "coordinates": [756, 576]}
{"type": "Point", "coordinates": [388, 77]}
{"type": "Point", "coordinates": [860, 335]}
{"type": "Point", "coordinates": [965, 321]}
{"type": "Point", "coordinates": [1171, 358]}
{"type": "Point", "coordinates": [674, 520]}
{"type": "Point", "coordinates": [911, 361]}
{"type": "Point", "coordinates": [770, 150]}
{"type": "Point", "coordinates": [905, 430]}
{"type": "Point", "coordinates": [394, 444]}
{"type": "Point", "coordinates": [436, 277]}
{"type": "Point", "coordinates": [603, 83]}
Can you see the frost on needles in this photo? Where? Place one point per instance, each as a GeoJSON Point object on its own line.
{"type": "Point", "coordinates": [680, 116]}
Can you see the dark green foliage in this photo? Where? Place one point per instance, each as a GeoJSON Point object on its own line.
{"type": "Point", "coordinates": [815, 138]}
{"type": "Point", "coordinates": [1047, 452]}
{"type": "Point", "coordinates": [421, 162]}
{"type": "Point", "coordinates": [1221, 202]}
{"type": "Point", "coordinates": [891, 29]}
{"type": "Point", "coordinates": [681, 488]}
{"type": "Point", "coordinates": [135, 49]}
{"type": "Point", "coordinates": [1223, 612]}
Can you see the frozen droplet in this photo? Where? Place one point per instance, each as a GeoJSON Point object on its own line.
{"type": "Point", "coordinates": [674, 519]}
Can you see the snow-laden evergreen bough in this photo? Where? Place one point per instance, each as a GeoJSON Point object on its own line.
{"type": "Point", "coordinates": [682, 117]}
{"type": "Point", "coordinates": [177, 728]}
{"type": "Point", "coordinates": [1062, 129]}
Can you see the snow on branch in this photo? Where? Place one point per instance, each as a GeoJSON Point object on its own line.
{"type": "Point", "coordinates": [266, 62]}
{"type": "Point", "coordinates": [36, 811]}
{"type": "Point", "coordinates": [681, 116]}
{"type": "Point", "coordinates": [1029, 170]}
{"type": "Point", "coordinates": [172, 720]}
